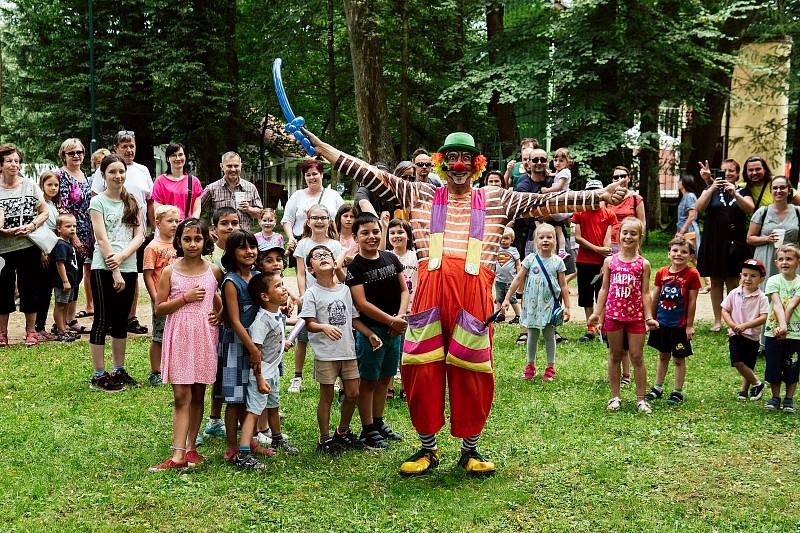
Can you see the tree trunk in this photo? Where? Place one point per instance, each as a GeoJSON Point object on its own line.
{"type": "Point", "coordinates": [649, 186]}
{"type": "Point", "coordinates": [370, 96]}
{"type": "Point", "coordinates": [704, 135]}
{"type": "Point", "coordinates": [232, 131]}
{"type": "Point", "coordinates": [403, 9]}
{"type": "Point", "coordinates": [332, 100]}
{"type": "Point", "coordinates": [504, 115]}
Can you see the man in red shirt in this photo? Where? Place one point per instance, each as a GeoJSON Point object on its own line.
{"type": "Point", "coordinates": [593, 236]}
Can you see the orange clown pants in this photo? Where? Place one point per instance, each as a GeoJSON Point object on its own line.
{"type": "Point", "coordinates": [446, 344]}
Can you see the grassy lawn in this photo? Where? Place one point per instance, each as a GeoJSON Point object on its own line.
{"type": "Point", "coordinates": [78, 459]}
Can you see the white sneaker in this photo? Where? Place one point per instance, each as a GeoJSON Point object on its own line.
{"type": "Point", "coordinates": [614, 404]}
{"type": "Point", "coordinates": [643, 407]}
{"type": "Point", "coordinates": [296, 384]}
{"type": "Point", "coordinates": [263, 438]}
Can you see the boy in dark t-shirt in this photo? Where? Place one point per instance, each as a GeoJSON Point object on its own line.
{"type": "Point", "coordinates": [64, 271]}
{"type": "Point", "coordinates": [380, 294]}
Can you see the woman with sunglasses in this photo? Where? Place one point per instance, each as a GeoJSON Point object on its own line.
{"type": "Point", "coordinates": [631, 206]}
{"type": "Point", "coordinates": [75, 190]}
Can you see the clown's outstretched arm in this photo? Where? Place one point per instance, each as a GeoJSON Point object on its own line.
{"type": "Point", "coordinates": [387, 186]}
{"type": "Point", "coordinates": [529, 204]}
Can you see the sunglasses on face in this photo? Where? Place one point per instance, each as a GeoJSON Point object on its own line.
{"type": "Point", "coordinates": [318, 218]}
{"type": "Point", "coordinates": [423, 165]}
{"type": "Point", "coordinates": [321, 255]}
{"type": "Point", "coordinates": [535, 159]}
{"type": "Point", "coordinates": [619, 176]}
{"type": "Point", "coordinates": [75, 153]}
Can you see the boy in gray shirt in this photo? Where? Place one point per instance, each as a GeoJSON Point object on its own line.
{"type": "Point", "coordinates": [504, 271]}
{"type": "Point", "coordinates": [330, 318]}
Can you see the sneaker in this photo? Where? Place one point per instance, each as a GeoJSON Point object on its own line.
{"type": "Point", "coordinates": [654, 394]}
{"type": "Point", "coordinates": [246, 461]}
{"type": "Point", "coordinates": [106, 384]}
{"type": "Point", "coordinates": [169, 464]}
{"type": "Point", "coordinates": [529, 372]}
{"type": "Point", "coordinates": [614, 404]}
{"type": "Point", "coordinates": [560, 339]}
{"type": "Point", "coordinates": [643, 407]}
{"type": "Point", "coordinates": [123, 377]}
{"type": "Point", "coordinates": [549, 374]}
{"type": "Point", "coordinates": [788, 405]}
{"type": "Point", "coordinates": [285, 446]}
{"type": "Point", "coordinates": [773, 404]}
{"type": "Point", "coordinates": [675, 398]}
{"type": "Point", "coordinates": [194, 458]}
{"type": "Point", "coordinates": [214, 428]}
{"type": "Point", "coordinates": [388, 433]}
{"type": "Point", "coordinates": [373, 440]}
{"type": "Point", "coordinates": [514, 320]}
{"type": "Point", "coordinates": [264, 438]}
{"type": "Point", "coordinates": [296, 384]}
{"type": "Point", "coordinates": [44, 336]}
{"type": "Point", "coordinates": [741, 395]}
{"type": "Point", "coordinates": [522, 339]}
{"type": "Point", "coordinates": [500, 318]}
{"type": "Point", "coordinates": [328, 445]}
{"type": "Point", "coordinates": [154, 379]}
{"type": "Point", "coordinates": [63, 336]}
{"type": "Point", "coordinates": [587, 337]}
{"type": "Point", "coordinates": [31, 339]}
{"type": "Point", "coordinates": [757, 391]}
{"type": "Point", "coordinates": [348, 440]}
{"type": "Point", "coordinates": [626, 380]}
{"type": "Point", "coordinates": [198, 440]}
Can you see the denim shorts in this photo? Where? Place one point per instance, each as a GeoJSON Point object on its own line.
{"type": "Point", "coordinates": [383, 362]}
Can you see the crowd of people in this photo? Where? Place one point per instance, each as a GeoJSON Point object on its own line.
{"type": "Point", "coordinates": [221, 308]}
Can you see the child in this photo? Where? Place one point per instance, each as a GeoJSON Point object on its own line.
{"type": "Point", "coordinates": [118, 234]}
{"type": "Point", "coordinates": [317, 229]}
{"type": "Point", "coordinates": [401, 240]}
{"type": "Point", "coordinates": [224, 220]}
{"type": "Point", "coordinates": [157, 256]}
{"type": "Point", "coordinates": [267, 332]}
{"type": "Point", "coordinates": [782, 335]}
{"type": "Point", "coordinates": [187, 296]}
{"type": "Point", "coordinates": [237, 353]}
{"type": "Point", "coordinates": [506, 268]}
{"type": "Point", "coordinates": [48, 182]}
{"type": "Point", "coordinates": [380, 294]}
{"type": "Point", "coordinates": [267, 238]}
{"type": "Point", "coordinates": [623, 307]}
{"type": "Point", "coordinates": [745, 309]}
{"type": "Point", "coordinates": [593, 235]}
{"type": "Point", "coordinates": [330, 317]}
{"type": "Point", "coordinates": [674, 301]}
{"type": "Point", "coordinates": [561, 181]}
{"type": "Point", "coordinates": [64, 264]}
{"type": "Point", "coordinates": [494, 179]}
{"type": "Point", "coordinates": [344, 219]}
{"type": "Point", "coordinates": [543, 290]}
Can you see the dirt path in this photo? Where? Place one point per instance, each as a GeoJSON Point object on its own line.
{"type": "Point", "coordinates": [16, 324]}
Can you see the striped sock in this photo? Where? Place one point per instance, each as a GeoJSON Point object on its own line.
{"type": "Point", "coordinates": [428, 441]}
{"type": "Point", "coordinates": [244, 450]}
{"type": "Point", "coordinates": [470, 443]}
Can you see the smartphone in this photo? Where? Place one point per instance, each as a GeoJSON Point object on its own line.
{"type": "Point", "coordinates": [719, 174]}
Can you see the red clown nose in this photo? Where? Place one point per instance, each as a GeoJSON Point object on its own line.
{"type": "Point", "coordinates": [458, 166]}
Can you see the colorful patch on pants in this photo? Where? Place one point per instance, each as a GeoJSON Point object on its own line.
{"type": "Point", "coordinates": [423, 342]}
{"type": "Point", "coordinates": [470, 347]}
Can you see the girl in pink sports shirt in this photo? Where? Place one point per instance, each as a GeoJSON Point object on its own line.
{"type": "Point", "coordinates": [623, 307]}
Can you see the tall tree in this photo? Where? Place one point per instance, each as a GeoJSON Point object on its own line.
{"type": "Point", "coordinates": [499, 106]}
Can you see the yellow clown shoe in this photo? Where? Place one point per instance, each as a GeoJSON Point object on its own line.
{"type": "Point", "coordinates": [420, 462]}
{"type": "Point", "coordinates": [475, 464]}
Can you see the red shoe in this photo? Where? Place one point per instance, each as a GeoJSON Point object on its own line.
{"type": "Point", "coordinates": [256, 448]}
{"type": "Point", "coordinates": [31, 339]}
{"type": "Point", "coordinates": [3, 340]}
{"type": "Point", "coordinates": [549, 374]}
{"type": "Point", "coordinates": [530, 371]}
{"type": "Point", "coordinates": [169, 464]}
{"type": "Point", "coordinates": [194, 458]}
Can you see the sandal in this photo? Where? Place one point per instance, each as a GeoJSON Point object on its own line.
{"type": "Point", "coordinates": [135, 327]}
{"type": "Point", "coordinates": [77, 328]}
{"type": "Point", "coordinates": [522, 339]}
{"type": "Point", "coordinates": [84, 314]}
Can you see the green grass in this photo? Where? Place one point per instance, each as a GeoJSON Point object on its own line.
{"type": "Point", "coordinates": [77, 459]}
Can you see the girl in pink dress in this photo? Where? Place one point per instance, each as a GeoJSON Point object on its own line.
{"type": "Point", "coordinates": [623, 307]}
{"type": "Point", "coordinates": [187, 294]}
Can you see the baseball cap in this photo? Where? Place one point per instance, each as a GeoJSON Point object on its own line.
{"type": "Point", "coordinates": [593, 185]}
{"type": "Point", "coordinates": [755, 264]}
{"type": "Point", "coordinates": [273, 247]}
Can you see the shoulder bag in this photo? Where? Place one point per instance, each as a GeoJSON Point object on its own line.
{"type": "Point", "coordinates": [557, 316]}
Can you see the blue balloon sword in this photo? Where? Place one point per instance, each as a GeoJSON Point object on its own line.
{"type": "Point", "coordinates": [294, 124]}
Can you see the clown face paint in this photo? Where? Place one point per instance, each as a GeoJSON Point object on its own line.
{"type": "Point", "coordinates": [459, 166]}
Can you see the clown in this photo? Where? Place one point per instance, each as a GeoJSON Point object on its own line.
{"type": "Point", "coordinates": [457, 232]}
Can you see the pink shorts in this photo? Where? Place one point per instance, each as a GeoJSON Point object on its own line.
{"type": "Point", "coordinates": [636, 326]}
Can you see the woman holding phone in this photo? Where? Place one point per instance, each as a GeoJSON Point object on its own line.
{"type": "Point", "coordinates": [723, 246]}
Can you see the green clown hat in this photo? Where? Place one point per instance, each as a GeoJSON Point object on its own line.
{"type": "Point", "coordinates": [459, 141]}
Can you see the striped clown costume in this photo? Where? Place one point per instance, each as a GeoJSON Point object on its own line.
{"type": "Point", "coordinates": [457, 232]}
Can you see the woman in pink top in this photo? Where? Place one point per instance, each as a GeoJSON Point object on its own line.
{"type": "Point", "coordinates": [623, 306]}
{"type": "Point", "coordinates": [172, 188]}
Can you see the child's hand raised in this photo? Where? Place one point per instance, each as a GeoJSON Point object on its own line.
{"type": "Point", "coordinates": [332, 332]}
{"type": "Point", "coordinates": [375, 341]}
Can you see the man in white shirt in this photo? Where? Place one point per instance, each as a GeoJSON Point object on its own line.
{"type": "Point", "coordinates": [138, 183]}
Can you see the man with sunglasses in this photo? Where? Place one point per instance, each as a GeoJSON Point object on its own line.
{"type": "Point", "coordinates": [448, 343]}
{"type": "Point", "coordinates": [534, 177]}
{"type": "Point", "coordinates": [422, 167]}
{"type": "Point", "coordinates": [139, 184]}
